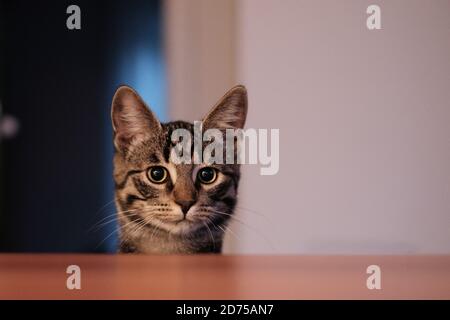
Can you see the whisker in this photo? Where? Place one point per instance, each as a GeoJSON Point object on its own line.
{"type": "Point", "coordinates": [231, 232]}
{"type": "Point", "coordinates": [115, 213]}
{"type": "Point", "coordinates": [140, 225]}
{"type": "Point", "coordinates": [249, 227]}
{"type": "Point", "coordinates": [133, 230]}
{"type": "Point", "coordinates": [246, 210]}
{"type": "Point", "coordinates": [107, 237]}
{"type": "Point", "coordinates": [104, 206]}
{"type": "Point", "coordinates": [102, 219]}
{"type": "Point", "coordinates": [210, 234]}
{"type": "Point", "coordinates": [118, 212]}
{"type": "Point", "coordinates": [115, 231]}
{"type": "Point", "coordinates": [108, 217]}
{"type": "Point", "coordinates": [220, 227]}
{"type": "Point", "coordinates": [155, 227]}
{"type": "Point", "coordinates": [114, 219]}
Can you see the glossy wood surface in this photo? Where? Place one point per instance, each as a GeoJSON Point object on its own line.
{"type": "Point", "coordinates": [43, 276]}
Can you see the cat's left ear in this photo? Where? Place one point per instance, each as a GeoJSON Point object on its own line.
{"type": "Point", "coordinates": [229, 112]}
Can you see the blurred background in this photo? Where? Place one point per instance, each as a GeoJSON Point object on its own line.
{"type": "Point", "coordinates": [364, 117]}
{"type": "Point", "coordinates": [57, 84]}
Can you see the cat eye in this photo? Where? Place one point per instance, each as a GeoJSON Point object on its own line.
{"type": "Point", "coordinates": [207, 175]}
{"type": "Point", "coordinates": [157, 174]}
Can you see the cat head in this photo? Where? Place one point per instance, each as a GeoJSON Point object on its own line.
{"type": "Point", "coordinates": [152, 191]}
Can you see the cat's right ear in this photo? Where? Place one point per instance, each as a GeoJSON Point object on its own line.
{"type": "Point", "coordinates": [132, 120]}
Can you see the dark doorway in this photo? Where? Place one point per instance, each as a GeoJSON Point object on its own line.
{"type": "Point", "coordinates": [58, 83]}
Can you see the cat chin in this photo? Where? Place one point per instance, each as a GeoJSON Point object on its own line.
{"type": "Point", "coordinates": [183, 227]}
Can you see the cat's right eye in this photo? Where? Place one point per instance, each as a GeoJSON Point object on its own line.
{"type": "Point", "coordinates": [157, 174]}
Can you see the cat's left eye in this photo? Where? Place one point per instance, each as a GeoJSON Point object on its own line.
{"type": "Point", "coordinates": [157, 174]}
{"type": "Point", "coordinates": [207, 175]}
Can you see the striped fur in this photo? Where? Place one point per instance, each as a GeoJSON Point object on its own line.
{"type": "Point", "coordinates": [150, 216]}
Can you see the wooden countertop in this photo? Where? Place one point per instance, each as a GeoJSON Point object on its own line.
{"type": "Point", "coordinates": [43, 276]}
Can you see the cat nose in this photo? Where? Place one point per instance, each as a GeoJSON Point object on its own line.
{"type": "Point", "coordinates": [185, 205]}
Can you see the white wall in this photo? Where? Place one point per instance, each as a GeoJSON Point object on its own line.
{"type": "Point", "coordinates": [200, 53]}
{"type": "Point", "coordinates": [364, 120]}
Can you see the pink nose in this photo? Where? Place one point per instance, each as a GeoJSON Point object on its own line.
{"type": "Point", "coordinates": [185, 205]}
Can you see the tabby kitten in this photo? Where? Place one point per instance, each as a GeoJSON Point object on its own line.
{"type": "Point", "coordinates": [165, 207]}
